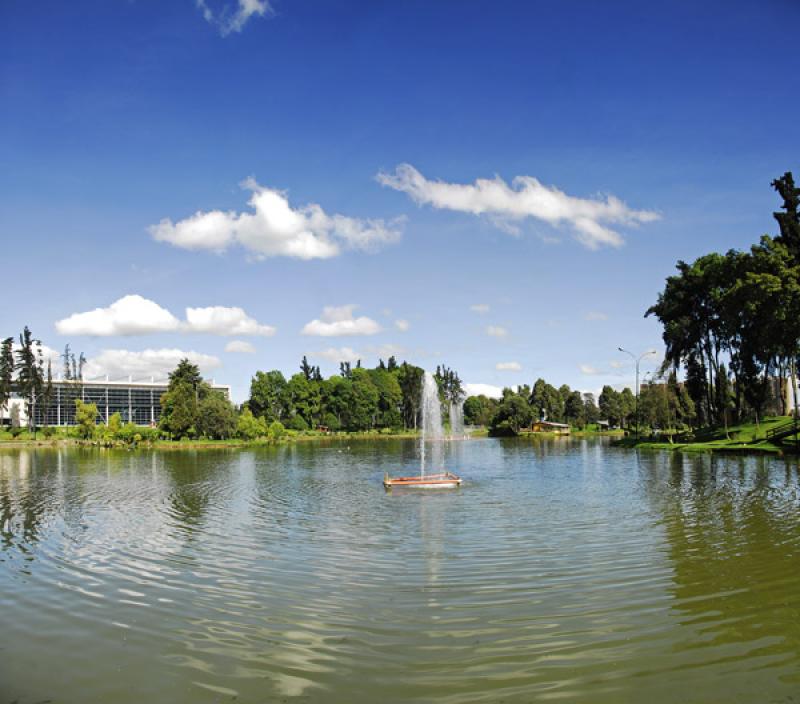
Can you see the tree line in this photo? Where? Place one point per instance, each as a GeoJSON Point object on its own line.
{"type": "Point", "coordinates": [388, 396]}
{"type": "Point", "coordinates": [731, 322]}
{"type": "Point", "coordinates": [518, 408]}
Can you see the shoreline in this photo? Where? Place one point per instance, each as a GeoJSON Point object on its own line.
{"type": "Point", "coordinates": [61, 442]}
{"type": "Point", "coordinates": [760, 448]}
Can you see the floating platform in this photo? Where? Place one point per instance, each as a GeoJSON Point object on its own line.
{"type": "Point", "coordinates": [446, 480]}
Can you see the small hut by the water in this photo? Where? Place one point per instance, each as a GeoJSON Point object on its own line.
{"type": "Point", "coordinates": [546, 426]}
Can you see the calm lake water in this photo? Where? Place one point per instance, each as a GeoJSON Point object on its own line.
{"type": "Point", "coordinates": [563, 570]}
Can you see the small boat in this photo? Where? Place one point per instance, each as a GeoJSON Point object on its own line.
{"type": "Point", "coordinates": [446, 480]}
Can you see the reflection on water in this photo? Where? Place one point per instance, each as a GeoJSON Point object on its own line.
{"type": "Point", "coordinates": [563, 569]}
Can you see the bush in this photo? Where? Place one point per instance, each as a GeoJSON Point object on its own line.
{"type": "Point", "coordinates": [248, 427]}
{"type": "Point", "coordinates": [332, 422]}
{"type": "Point", "coordinates": [276, 430]}
{"type": "Point", "coordinates": [297, 422]}
{"type": "Point", "coordinates": [85, 417]}
{"type": "Point", "coordinates": [114, 425]}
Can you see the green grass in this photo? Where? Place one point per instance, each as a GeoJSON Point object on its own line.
{"type": "Point", "coordinates": [743, 438]}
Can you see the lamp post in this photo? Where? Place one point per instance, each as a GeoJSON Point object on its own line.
{"type": "Point", "coordinates": [637, 360]}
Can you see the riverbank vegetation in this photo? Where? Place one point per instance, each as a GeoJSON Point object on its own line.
{"type": "Point", "coordinates": [518, 408]}
{"type": "Point", "coordinates": [731, 324]}
{"type": "Point", "coordinates": [385, 400]}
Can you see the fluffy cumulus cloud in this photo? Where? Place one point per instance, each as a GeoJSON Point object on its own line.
{"type": "Point", "coordinates": [219, 320]}
{"type": "Point", "coordinates": [338, 354]}
{"type": "Point", "coordinates": [483, 390]}
{"type": "Point", "coordinates": [348, 354]}
{"type": "Point", "coordinates": [240, 346]}
{"type": "Point", "coordinates": [228, 20]}
{"type": "Point", "coordinates": [338, 321]}
{"type": "Point", "coordinates": [135, 315]}
{"type": "Point", "coordinates": [402, 325]}
{"type": "Point", "coordinates": [155, 363]}
{"type": "Point", "coordinates": [508, 367]}
{"type": "Point", "coordinates": [480, 308]}
{"type": "Point", "coordinates": [274, 229]}
{"type": "Point", "coordinates": [130, 315]}
{"type": "Point", "coordinates": [591, 219]}
{"type": "Point", "coordinates": [496, 331]}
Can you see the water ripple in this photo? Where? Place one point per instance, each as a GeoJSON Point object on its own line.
{"type": "Point", "coordinates": [561, 570]}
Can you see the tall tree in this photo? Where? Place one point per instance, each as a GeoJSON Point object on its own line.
{"type": "Point", "coordinates": [6, 371]}
{"type": "Point", "coordinates": [789, 219]}
{"type": "Point", "coordinates": [410, 379]}
{"type": "Point", "coordinates": [29, 372]}
{"type": "Point", "coordinates": [180, 403]}
{"type": "Point", "coordinates": [306, 369]}
{"type": "Point", "coordinates": [268, 395]}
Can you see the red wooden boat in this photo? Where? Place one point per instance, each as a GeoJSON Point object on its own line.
{"type": "Point", "coordinates": [446, 480]}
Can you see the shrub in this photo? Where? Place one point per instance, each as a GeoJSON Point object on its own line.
{"type": "Point", "coordinates": [114, 424]}
{"type": "Point", "coordinates": [248, 427]}
{"type": "Point", "coordinates": [297, 422]}
{"type": "Point", "coordinates": [85, 417]}
{"type": "Point", "coordinates": [332, 422]}
{"type": "Point", "coordinates": [276, 430]}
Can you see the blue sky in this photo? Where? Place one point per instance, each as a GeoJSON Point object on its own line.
{"type": "Point", "coordinates": [118, 116]}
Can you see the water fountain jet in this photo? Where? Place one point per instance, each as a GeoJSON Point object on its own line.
{"type": "Point", "coordinates": [431, 445]}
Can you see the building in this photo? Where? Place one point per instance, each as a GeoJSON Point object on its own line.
{"type": "Point", "coordinates": [136, 401]}
{"type": "Point", "coordinates": [545, 426]}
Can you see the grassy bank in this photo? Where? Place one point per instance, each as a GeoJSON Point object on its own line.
{"type": "Point", "coordinates": [748, 438]}
{"type": "Point", "coordinates": [64, 439]}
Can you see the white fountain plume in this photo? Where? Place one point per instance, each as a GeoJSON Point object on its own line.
{"type": "Point", "coordinates": [456, 420]}
{"type": "Point", "coordinates": [431, 424]}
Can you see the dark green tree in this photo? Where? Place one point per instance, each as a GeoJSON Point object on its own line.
{"type": "Point", "coordinates": [574, 411]}
{"type": "Point", "coordinates": [268, 398]}
{"type": "Point", "coordinates": [29, 373]}
{"type": "Point", "coordinates": [216, 418]}
{"type": "Point", "coordinates": [6, 371]}
{"type": "Point", "coordinates": [513, 413]}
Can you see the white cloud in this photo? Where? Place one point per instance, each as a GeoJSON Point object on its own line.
{"type": "Point", "coordinates": [496, 331]}
{"type": "Point", "coordinates": [525, 198]}
{"type": "Point", "coordinates": [48, 354]}
{"type": "Point", "coordinates": [402, 325]}
{"type": "Point", "coordinates": [145, 363]}
{"type": "Point", "coordinates": [130, 315]}
{"type": "Point", "coordinates": [589, 369]}
{"type": "Point", "coordinates": [338, 354]}
{"type": "Point", "coordinates": [275, 229]}
{"type": "Point", "coordinates": [240, 346]}
{"type": "Point", "coordinates": [595, 315]}
{"type": "Point", "coordinates": [508, 367]}
{"type": "Point", "coordinates": [385, 351]}
{"type": "Point", "coordinates": [219, 320]}
{"type": "Point", "coordinates": [338, 321]}
{"type": "Point", "coordinates": [348, 354]}
{"type": "Point", "coordinates": [483, 389]}
{"type": "Point", "coordinates": [228, 22]}
{"type": "Point", "coordinates": [135, 315]}
{"type": "Point", "coordinates": [480, 308]}
{"type": "Point", "coordinates": [616, 364]}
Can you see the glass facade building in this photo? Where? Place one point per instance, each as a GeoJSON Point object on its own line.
{"type": "Point", "coordinates": [136, 401]}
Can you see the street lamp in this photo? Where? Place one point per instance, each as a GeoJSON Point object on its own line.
{"type": "Point", "coordinates": [637, 360]}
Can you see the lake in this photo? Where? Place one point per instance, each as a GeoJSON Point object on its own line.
{"type": "Point", "coordinates": [563, 570]}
